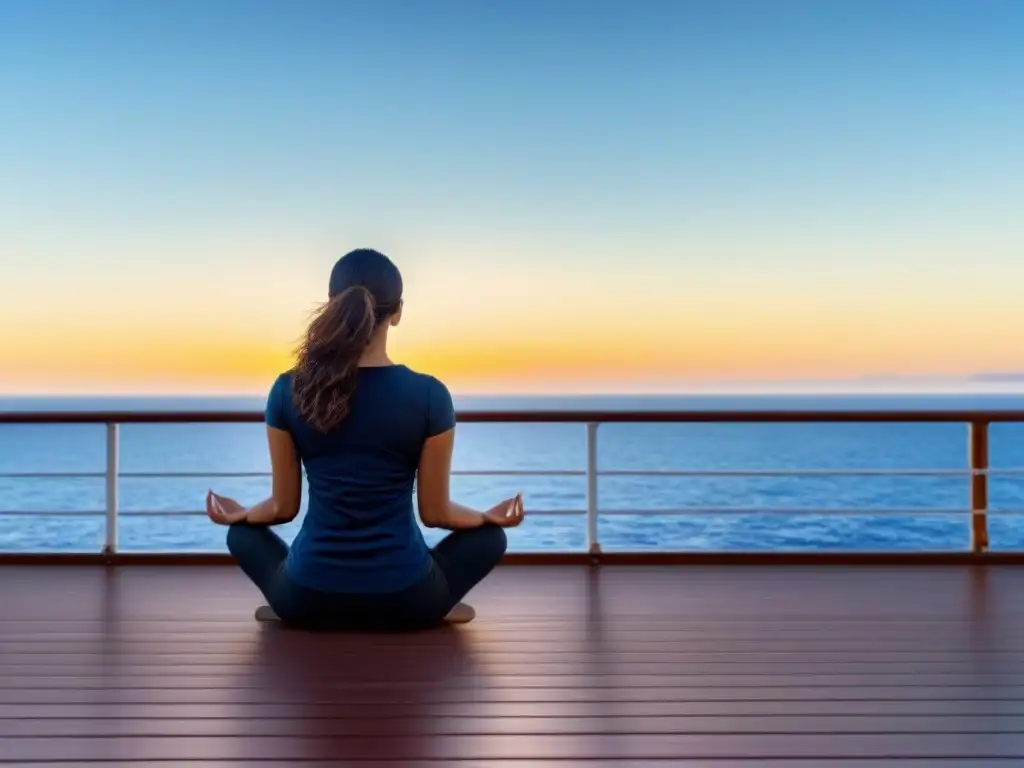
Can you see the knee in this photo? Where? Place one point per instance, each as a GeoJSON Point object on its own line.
{"type": "Point", "coordinates": [495, 541]}
{"type": "Point", "coordinates": [238, 533]}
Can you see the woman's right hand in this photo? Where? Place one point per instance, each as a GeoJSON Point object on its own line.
{"type": "Point", "coordinates": [508, 513]}
{"type": "Point", "coordinates": [223, 510]}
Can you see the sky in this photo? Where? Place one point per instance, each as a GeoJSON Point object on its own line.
{"type": "Point", "coordinates": [582, 195]}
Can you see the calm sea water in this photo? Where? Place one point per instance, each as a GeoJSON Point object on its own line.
{"type": "Point", "coordinates": [215, 448]}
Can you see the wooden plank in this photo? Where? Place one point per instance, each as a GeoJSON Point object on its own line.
{"type": "Point", "coordinates": [439, 695]}
{"type": "Point", "coordinates": [878, 671]}
{"type": "Point", "coordinates": [369, 680]}
{"type": "Point", "coordinates": [556, 633]}
{"type": "Point", "coordinates": [1008, 646]}
{"type": "Point", "coordinates": [362, 710]}
{"type": "Point", "coordinates": [497, 657]}
{"type": "Point", "coordinates": [429, 725]}
{"type": "Point", "coordinates": [196, 626]}
{"type": "Point", "coordinates": [401, 746]}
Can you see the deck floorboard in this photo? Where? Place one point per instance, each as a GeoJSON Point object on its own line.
{"type": "Point", "coordinates": [701, 666]}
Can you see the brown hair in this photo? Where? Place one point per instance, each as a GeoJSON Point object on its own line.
{"type": "Point", "coordinates": [365, 290]}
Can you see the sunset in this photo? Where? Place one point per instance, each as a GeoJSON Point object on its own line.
{"type": "Point", "coordinates": [668, 325]}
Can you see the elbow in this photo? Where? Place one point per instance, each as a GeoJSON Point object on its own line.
{"type": "Point", "coordinates": [286, 510]}
{"type": "Point", "coordinates": [432, 518]}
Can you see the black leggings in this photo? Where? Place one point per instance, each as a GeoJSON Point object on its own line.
{"type": "Point", "coordinates": [458, 563]}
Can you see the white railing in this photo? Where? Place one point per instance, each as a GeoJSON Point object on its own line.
{"type": "Point", "coordinates": [976, 472]}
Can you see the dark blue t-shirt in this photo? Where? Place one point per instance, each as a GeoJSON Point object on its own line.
{"type": "Point", "coordinates": [360, 532]}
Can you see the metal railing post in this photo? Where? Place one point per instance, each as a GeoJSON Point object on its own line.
{"type": "Point", "coordinates": [110, 538]}
{"type": "Point", "coordinates": [977, 454]}
{"type": "Point", "coordinates": [593, 542]}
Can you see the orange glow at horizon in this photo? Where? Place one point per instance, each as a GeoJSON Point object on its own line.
{"type": "Point", "coordinates": [503, 328]}
{"type": "Point", "coordinates": [149, 361]}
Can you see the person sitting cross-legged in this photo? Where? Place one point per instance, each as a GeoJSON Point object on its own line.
{"type": "Point", "coordinates": [366, 431]}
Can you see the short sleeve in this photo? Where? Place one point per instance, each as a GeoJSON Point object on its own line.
{"type": "Point", "coordinates": [440, 409]}
{"type": "Point", "coordinates": [278, 402]}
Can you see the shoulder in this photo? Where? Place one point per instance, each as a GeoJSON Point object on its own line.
{"type": "Point", "coordinates": [282, 382]}
{"type": "Point", "coordinates": [279, 401]}
{"type": "Point", "coordinates": [281, 389]}
{"type": "Point", "coordinates": [425, 382]}
{"type": "Point", "coordinates": [440, 408]}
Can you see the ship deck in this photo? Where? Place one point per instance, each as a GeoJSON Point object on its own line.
{"type": "Point", "coordinates": [569, 665]}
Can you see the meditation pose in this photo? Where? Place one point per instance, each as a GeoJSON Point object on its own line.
{"type": "Point", "coordinates": [366, 430]}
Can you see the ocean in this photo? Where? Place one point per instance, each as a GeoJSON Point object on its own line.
{"type": "Point", "coordinates": [897, 513]}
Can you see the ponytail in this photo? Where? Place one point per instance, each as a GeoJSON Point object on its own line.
{"type": "Point", "coordinates": [325, 375]}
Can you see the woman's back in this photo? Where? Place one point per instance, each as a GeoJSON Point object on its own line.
{"type": "Point", "coordinates": [359, 533]}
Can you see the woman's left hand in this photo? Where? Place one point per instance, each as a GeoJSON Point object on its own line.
{"type": "Point", "coordinates": [223, 510]}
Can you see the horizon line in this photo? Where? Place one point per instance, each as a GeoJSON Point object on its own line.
{"type": "Point", "coordinates": [539, 395]}
{"type": "Point", "coordinates": [1006, 383]}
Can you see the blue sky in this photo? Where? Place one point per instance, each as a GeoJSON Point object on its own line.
{"type": "Point", "coordinates": [811, 157]}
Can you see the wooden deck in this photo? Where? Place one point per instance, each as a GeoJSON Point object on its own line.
{"type": "Point", "coordinates": [650, 666]}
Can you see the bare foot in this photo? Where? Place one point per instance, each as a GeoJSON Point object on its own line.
{"type": "Point", "coordinates": [266, 613]}
{"type": "Point", "coordinates": [460, 614]}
